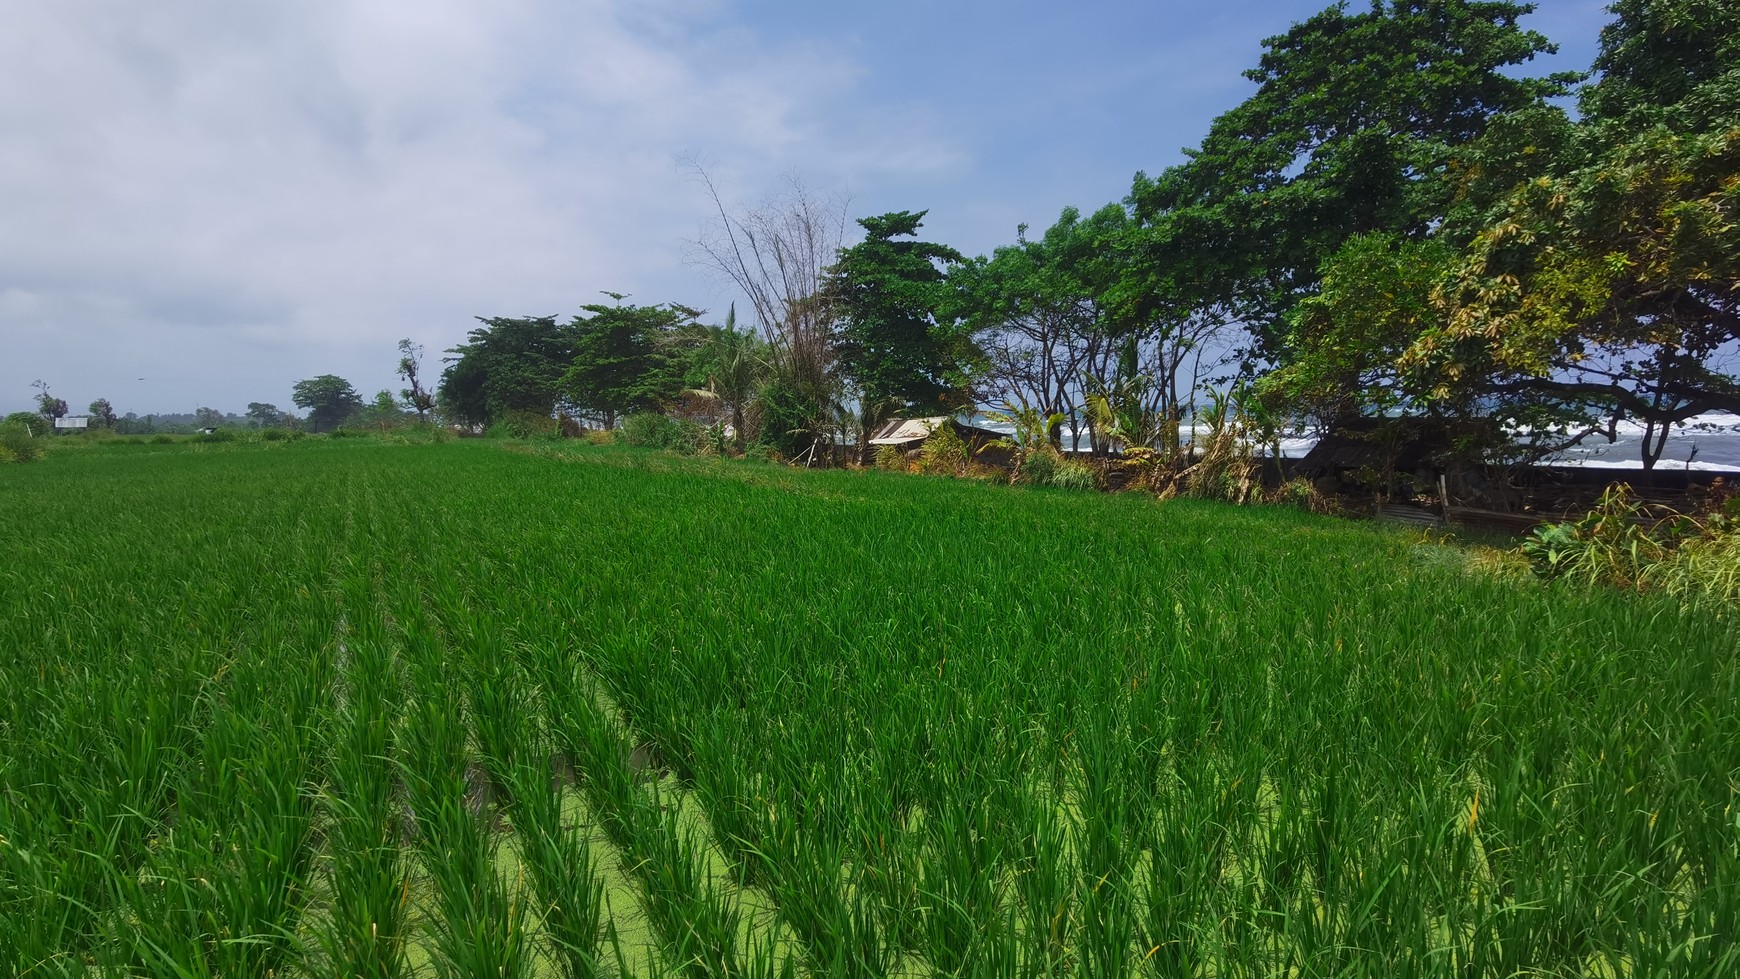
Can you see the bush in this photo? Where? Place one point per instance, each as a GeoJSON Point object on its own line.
{"type": "Point", "coordinates": [274, 435]}
{"type": "Point", "coordinates": [163, 439]}
{"type": "Point", "coordinates": [788, 417]}
{"type": "Point", "coordinates": [30, 421]}
{"type": "Point", "coordinates": [889, 458]}
{"type": "Point", "coordinates": [1608, 545]}
{"type": "Point", "coordinates": [1039, 467]}
{"type": "Point", "coordinates": [17, 444]}
{"type": "Point", "coordinates": [1706, 569]}
{"type": "Point", "coordinates": [944, 453]}
{"type": "Point", "coordinates": [688, 437]}
{"type": "Point", "coordinates": [223, 435]}
{"type": "Point", "coordinates": [523, 425]}
{"type": "Point", "coordinates": [648, 430]}
{"type": "Point", "coordinates": [1073, 475]}
{"type": "Point", "coordinates": [600, 436]}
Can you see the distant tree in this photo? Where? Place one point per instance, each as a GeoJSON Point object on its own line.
{"type": "Point", "coordinates": [732, 364]}
{"type": "Point", "coordinates": [892, 339]}
{"type": "Point", "coordinates": [264, 414]}
{"type": "Point", "coordinates": [329, 400]}
{"type": "Point", "coordinates": [102, 413]}
{"type": "Point", "coordinates": [628, 358]}
{"type": "Point", "coordinates": [384, 411]}
{"type": "Point", "coordinates": [410, 365]}
{"type": "Point", "coordinates": [1040, 310]}
{"type": "Point", "coordinates": [506, 366]}
{"type": "Point", "coordinates": [47, 405]}
{"type": "Point", "coordinates": [207, 417]}
{"type": "Point", "coordinates": [777, 254]}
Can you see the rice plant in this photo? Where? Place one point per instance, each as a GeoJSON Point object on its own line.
{"type": "Point", "coordinates": [401, 710]}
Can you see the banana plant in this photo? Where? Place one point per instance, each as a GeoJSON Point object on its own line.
{"type": "Point", "coordinates": [1034, 431]}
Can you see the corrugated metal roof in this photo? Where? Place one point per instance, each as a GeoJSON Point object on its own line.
{"type": "Point", "coordinates": [898, 431]}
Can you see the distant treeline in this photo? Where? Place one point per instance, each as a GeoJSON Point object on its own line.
{"type": "Point", "coordinates": [1399, 222]}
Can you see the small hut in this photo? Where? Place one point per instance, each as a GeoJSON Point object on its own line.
{"type": "Point", "coordinates": [907, 434]}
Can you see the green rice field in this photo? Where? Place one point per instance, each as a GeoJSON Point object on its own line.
{"type": "Point", "coordinates": [346, 708]}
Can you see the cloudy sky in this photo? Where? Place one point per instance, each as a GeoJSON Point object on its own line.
{"type": "Point", "coordinates": [203, 201]}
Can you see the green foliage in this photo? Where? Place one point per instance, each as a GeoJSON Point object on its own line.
{"type": "Point", "coordinates": [47, 405]}
{"type": "Point", "coordinates": [1621, 543]}
{"type": "Point", "coordinates": [889, 458]}
{"type": "Point", "coordinates": [732, 364]}
{"type": "Point", "coordinates": [416, 397]}
{"type": "Point", "coordinates": [507, 366]}
{"type": "Point", "coordinates": [1601, 278]}
{"type": "Point", "coordinates": [893, 339]}
{"type": "Point", "coordinates": [1704, 570]}
{"type": "Point", "coordinates": [1342, 343]}
{"type": "Point", "coordinates": [1356, 118]}
{"type": "Point", "coordinates": [629, 358]}
{"type": "Point", "coordinates": [102, 414]}
{"type": "Point", "coordinates": [522, 425]}
{"type": "Point", "coordinates": [1611, 544]}
{"type": "Point", "coordinates": [1072, 474]}
{"type": "Point", "coordinates": [1039, 466]}
{"type": "Point", "coordinates": [16, 442]}
{"type": "Point", "coordinates": [760, 716]}
{"type": "Point", "coordinates": [328, 399]}
{"type": "Point", "coordinates": [649, 430]}
{"type": "Point", "coordinates": [790, 415]}
{"type": "Point", "coordinates": [945, 453]}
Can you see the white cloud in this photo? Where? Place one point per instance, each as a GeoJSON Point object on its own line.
{"type": "Point", "coordinates": [232, 196]}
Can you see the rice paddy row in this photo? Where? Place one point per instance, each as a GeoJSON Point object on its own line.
{"type": "Point", "coordinates": [402, 710]}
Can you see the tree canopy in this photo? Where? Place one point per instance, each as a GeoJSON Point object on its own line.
{"type": "Point", "coordinates": [892, 337]}
{"type": "Point", "coordinates": [628, 358]}
{"type": "Point", "coordinates": [328, 399]}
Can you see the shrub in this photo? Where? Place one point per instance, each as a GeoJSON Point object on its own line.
{"type": "Point", "coordinates": [274, 435]}
{"type": "Point", "coordinates": [17, 444]}
{"type": "Point", "coordinates": [944, 453]}
{"type": "Point", "coordinates": [787, 417]}
{"type": "Point", "coordinates": [1073, 475]}
{"type": "Point", "coordinates": [687, 437]}
{"type": "Point", "coordinates": [522, 425]}
{"type": "Point", "coordinates": [163, 439]}
{"type": "Point", "coordinates": [600, 436]}
{"type": "Point", "coordinates": [223, 435]}
{"type": "Point", "coordinates": [889, 458]}
{"type": "Point", "coordinates": [1608, 545]}
{"type": "Point", "coordinates": [1039, 466]}
{"type": "Point", "coordinates": [648, 430]}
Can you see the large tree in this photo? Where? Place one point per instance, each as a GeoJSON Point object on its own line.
{"type": "Point", "coordinates": [628, 358]}
{"type": "Point", "coordinates": [328, 399]}
{"type": "Point", "coordinates": [1607, 282]}
{"type": "Point", "coordinates": [893, 341]}
{"type": "Point", "coordinates": [509, 365]}
{"type": "Point", "coordinates": [47, 405]}
{"type": "Point", "coordinates": [1351, 131]}
{"type": "Point", "coordinates": [1041, 311]}
{"type": "Point", "coordinates": [264, 414]}
{"type": "Point", "coordinates": [102, 413]}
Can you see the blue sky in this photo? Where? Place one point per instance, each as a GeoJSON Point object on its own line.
{"type": "Point", "coordinates": [208, 201]}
